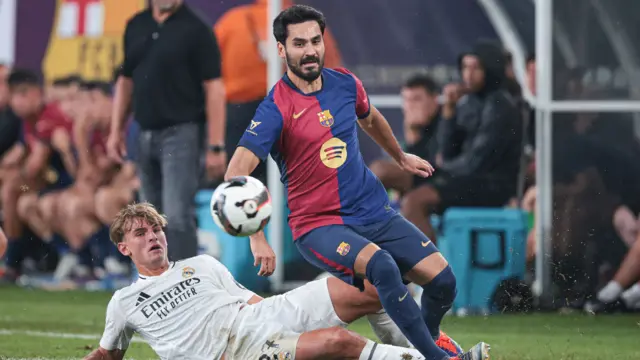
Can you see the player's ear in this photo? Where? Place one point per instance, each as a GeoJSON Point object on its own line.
{"type": "Point", "coordinates": [124, 250]}
{"type": "Point", "coordinates": [282, 51]}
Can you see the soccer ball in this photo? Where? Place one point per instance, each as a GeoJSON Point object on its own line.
{"type": "Point", "coordinates": [241, 206]}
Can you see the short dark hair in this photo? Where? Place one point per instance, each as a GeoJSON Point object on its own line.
{"type": "Point", "coordinates": [21, 77]}
{"type": "Point", "coordinates": [101, 86]}
{"type": "Point", "coordinates": [75, 79]}
{"type": "Point", "coordinates": [423, 81]}
{"type": "Point", "coordinates": [297, 14]}
{"type": "Point", "coordinates": [68, 81]}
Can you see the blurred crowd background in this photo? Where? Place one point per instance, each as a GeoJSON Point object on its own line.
{"type": "Point", "coordinates": [60, 190]}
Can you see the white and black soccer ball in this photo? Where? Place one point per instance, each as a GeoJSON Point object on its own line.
{"type": "Point", "coordinates": [241, 206]}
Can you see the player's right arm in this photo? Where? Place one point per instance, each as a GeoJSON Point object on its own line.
{"type": "Point", "coordinates": [117, 335]}
{"type": "Point", "coordinates": [255, 145]}
{"type": "Point", "coordinates": [258, 139]}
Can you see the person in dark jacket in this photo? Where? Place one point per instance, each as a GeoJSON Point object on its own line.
{"type": "Point", "coordinates": [479, 139]}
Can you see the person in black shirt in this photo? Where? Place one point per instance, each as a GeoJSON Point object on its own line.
{"type": "Point", "coordinates": [479, 138]}
{"type": "Point", "coordinates": [10, 124]}
{"type": "Point", "coordinates": [421, 114]}
{"type": "Point", "coordinates": [171, 75]}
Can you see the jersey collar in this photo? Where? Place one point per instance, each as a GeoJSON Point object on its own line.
{"type": "Point", "coordinates": [171, 265]}
{"type": "Point", "coordinates": [290, 83]}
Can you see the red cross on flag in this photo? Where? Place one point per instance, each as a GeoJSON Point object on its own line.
{"type": "Point", "coordinates": [79, 18]}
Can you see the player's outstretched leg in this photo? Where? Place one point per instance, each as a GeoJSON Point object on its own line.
{"type": "Point", "coordinates": [351, 256]}
{"type": "Point", "coordinates": [381, 270]}
{"type": "Point", "coordinates": [421, 263]}
{"type": "Point", "coordinates": [339, 343]}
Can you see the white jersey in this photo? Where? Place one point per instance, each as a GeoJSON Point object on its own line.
{"type": "Point", "coordinates": [185, 313]}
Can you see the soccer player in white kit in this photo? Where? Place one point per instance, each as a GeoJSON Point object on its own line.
{"type": "Point", "coordinates": [194, 309]}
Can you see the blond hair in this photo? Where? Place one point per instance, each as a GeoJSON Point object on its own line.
{"type": "Point", "coordinates": [127, 216]}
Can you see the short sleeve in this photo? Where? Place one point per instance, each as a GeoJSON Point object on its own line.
{"type": "Point", "coordinates": [363, 107]}
{"type": "Point", "coordinates": [50, 120]}
{"type": "Point", "coordinates": [228, 282]}
{"type": "Point", "coordinates": [264, 130]}
{"type": "Point", "coordinates": [207, 54]}
{"type": "Point", "coordinates": [362, 100]}
{"type": "Point", "coordinates": [117, 335]}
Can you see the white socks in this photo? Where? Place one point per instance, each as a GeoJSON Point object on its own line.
{"type": "Point", "coordinates": [631, 296]}
{"type": "Point", "coordinates": [386, 330]}
{"type": "Point", "coordinates": [610, 292]}
{"type": "Point", "coordinates": [374, 351]}
{"type": "Point", "coordinates": [613, 291]}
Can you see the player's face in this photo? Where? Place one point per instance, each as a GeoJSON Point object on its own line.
{"type": "Point", "coordinates": [145, 243]}
{"type": "Point", "coordinates": [304, 50]}
{"type": "Point", "coordinates": [472, 73]}
{"type": "Point", "coordinates": [166, 5]}
{"type": "Point", "coordinates": [25, 100]}
{"type": "Point", "coordinates": [418, 103]}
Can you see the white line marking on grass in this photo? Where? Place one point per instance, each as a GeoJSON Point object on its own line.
{"type": "Point", "coordinates": [59, 335]}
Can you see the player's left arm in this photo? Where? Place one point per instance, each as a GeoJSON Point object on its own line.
{"type": "Point", "coordinates": [116, 336]}
{"type": "Point", "coordinates": [230, 284]}
{"type": "Point", "coordinates": [378, 128]}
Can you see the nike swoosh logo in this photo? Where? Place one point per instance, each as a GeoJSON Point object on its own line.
{"type": "Point", "coordinates": [295, 116]}
{"type": "Point", "coordinates": [426, 243]}
{"type": "Point", "coordinates": [404, 297]}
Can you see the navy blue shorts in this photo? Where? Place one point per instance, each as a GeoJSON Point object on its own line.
{"type": "Point", "coordinates": [334, 248]}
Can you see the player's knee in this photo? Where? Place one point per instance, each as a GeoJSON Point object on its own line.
{"type": "Point", "coordinates": [26, 204]}
{"type": "Point", "coordinates": [47, 207]}
{"type": "Point", "coordinates": [443, 286]}
{"type": "Point", "coordinates": [381, 268]}
{"type": "Point", "coordinates": [340, 341]}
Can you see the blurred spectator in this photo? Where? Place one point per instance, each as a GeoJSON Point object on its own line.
{"type": "Point", "coordinates": [63, 88]}
{"type": "Point", "coordinates": [171, 71]}
{"type": "Point", "coordinates": [9, 122]}
{"type": "Point", "coordinates": [511, 82]}
{"type": "Point", "coordinates": [421, 113]}
{"type": "Point", "coordinates": [38, 169]}
{"type": "Point", "coordinates": [242, 36]}
{"type": "Point", "coordinates": [530, 68]}
{"type": "Point", "coordinates": [479, 138]}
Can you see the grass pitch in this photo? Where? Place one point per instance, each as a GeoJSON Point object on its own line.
{"type": "Point", "coordinates": [67, 325]}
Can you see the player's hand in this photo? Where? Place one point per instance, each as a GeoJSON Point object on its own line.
{"type": "Point", "coordinates": [452, 93]}
{"type": "Point", "coordinates": [416, 165]}
{"type": "Point", "coordinates": [116, 148]}
{"type": "Point", "coordinates": [216, 163]}
{"type": "Point", "coordinates": [263, 255]}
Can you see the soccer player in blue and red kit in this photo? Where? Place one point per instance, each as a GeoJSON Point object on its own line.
{"type": "Point", "coordinates": [340, 216]}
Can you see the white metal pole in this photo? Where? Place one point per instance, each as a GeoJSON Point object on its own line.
{"type": "Point", "coordinates": [544, 203]}
{"type": "Point", "coordinates": [276, 225]}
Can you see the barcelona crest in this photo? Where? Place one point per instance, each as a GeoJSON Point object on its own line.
{"type": "Point", "coordinates": [325, 117]}
{"type": "Point", "coordinates": [343, 249]}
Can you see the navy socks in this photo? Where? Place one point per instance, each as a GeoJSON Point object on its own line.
{"type": "Point", "coordinates": [437, 299]}
{"type": "Point", "coordinates": [384, 274]}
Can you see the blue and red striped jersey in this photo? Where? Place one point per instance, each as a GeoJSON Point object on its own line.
{"type": "Point", "coordinates": [314, 140]}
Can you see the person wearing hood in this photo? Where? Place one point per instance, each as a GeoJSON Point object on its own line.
{"type": "Point", "coordinates": [479, 139]}
{"type": "Point", "coordinates": [242, 37]}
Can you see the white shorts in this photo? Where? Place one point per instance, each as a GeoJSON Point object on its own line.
{"type": "Point", "coordinates": [273, 326]}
